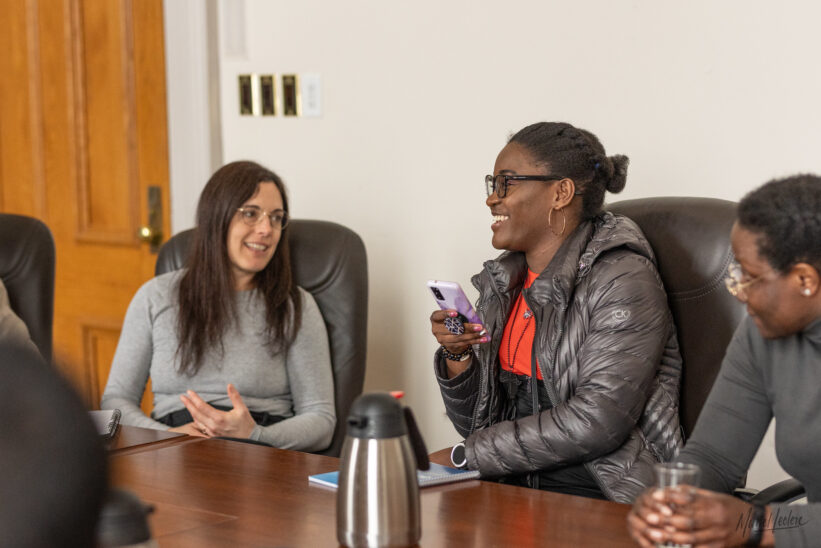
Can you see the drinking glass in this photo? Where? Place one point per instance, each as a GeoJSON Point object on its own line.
{"type": "Point", "coordinates": [675, 475]}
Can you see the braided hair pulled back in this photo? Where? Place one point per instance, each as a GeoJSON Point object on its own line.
{"type": "Point", "coordinates": [579, 155]}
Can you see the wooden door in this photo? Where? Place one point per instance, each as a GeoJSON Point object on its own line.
{"type": "Point", "coordinates": [82, 138]}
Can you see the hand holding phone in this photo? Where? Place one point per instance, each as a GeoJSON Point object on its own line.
{"type": "Point", "coordinates": [456, 325]}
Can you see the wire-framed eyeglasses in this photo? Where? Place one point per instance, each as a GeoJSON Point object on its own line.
{"type": "Point", "coordinates": [501, 182]}
{"type": "Point", "coordinates": [252, 215]}
{"type": "Point", "coordinates": [735, 279]}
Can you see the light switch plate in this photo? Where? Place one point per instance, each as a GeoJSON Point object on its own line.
{"type": "Point", "coordinates": [249, 100]}
{"type": "Point", "coordinates": [290, 95]}
{"type": "Point", "coordinates": [267, 91]}
{"type": "Point", "coordinates": [311, 94]}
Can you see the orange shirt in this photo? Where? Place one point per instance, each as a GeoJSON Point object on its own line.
{"type": "Point", "coordinates": [517, 340]}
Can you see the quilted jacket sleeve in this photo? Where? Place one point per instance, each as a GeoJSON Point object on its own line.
{"type": "Point", "coordinates": [459, 393]}
{"type": "Point", "coordinates": [615, 332]}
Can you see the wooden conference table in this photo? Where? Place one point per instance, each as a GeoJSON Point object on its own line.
{"type": "Point", "coordinates": [222, 493]}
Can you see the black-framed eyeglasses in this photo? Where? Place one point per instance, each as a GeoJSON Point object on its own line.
{"type": "Point", "coordinates": [500, 183]}
{"type": "Point", "coordinates": [252, 215]}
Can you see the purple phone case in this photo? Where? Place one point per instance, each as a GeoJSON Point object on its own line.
{"type": "Point", "coordinates": [454, 298]}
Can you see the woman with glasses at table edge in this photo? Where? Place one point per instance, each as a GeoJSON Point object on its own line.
{"type": "Point", "coordinates": [772, 370]}
{"type": "Point", "coordinates": [571, 383]}
{"type": "Point", "coordinates": [232, 346]}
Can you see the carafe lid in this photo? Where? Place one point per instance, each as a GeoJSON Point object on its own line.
{"type": "Point", "coordinates": [376, 415]}
{"type": "Point", "coordinates": [123, 520]}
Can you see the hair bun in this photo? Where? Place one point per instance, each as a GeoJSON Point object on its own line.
{"type": "Point", "coordinates": [619, 177]}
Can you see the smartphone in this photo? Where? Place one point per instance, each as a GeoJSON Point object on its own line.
{"type": "Point", "coordinates": [449, 296]}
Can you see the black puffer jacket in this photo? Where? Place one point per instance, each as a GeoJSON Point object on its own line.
{"type": "Point", "coordinates": [607, 349]}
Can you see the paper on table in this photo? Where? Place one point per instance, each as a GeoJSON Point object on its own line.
{"type": "Point", "coordinates": [106, 421]}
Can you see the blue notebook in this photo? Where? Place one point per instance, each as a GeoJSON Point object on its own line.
{"type": "Point", "coordinates": [435, 475]}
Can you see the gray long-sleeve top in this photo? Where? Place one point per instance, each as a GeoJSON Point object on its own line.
{"type": "Point", "coordinates": [761, 379]}
{"type": "Point", "coordinates": [297, 384]}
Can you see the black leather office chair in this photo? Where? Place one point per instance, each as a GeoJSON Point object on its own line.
{"type": "Point", "coordinates": [691, 240]}
{"type": "Point", "coordinates": [329, 261]}
{"type": "Point", "coordinates": [27, 260]}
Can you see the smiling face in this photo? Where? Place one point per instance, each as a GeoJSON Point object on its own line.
{"type": "Point", "coordinates": [774, 301]}
{"type": "Point", "coordinates": [250, 248]}
{"type": "Point", "coordinates": [520, 218]}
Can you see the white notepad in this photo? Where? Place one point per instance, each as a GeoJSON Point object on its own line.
{"type": "Point", "coordinates": [106, 421]}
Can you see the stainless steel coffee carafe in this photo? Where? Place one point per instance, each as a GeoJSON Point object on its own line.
{"type": "Point", "coordinates": [378, 499]}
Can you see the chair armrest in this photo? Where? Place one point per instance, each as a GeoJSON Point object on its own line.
{"type": "Point", "coordinates": [783, 491]}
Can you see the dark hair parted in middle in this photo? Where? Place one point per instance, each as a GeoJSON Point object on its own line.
{"type": "Point", "coordinates": [786, 214]}
{"type": "Point", "coordinates": [577, 154]}
{"type": "Point", "coordinates": [206, 292]}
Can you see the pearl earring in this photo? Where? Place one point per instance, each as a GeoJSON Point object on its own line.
{"type": "Point", "coordinates": [806, 291]}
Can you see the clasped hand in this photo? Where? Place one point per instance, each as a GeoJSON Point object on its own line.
{"type": "Point", "coordinates": [688, 516]}
{"type": "Point", "coordinates": [210, 422]}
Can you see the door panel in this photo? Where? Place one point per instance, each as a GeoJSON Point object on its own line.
{"type": "Point", "coordinates": [106, 113]}
{"type": "Point", "coordinates": [21, 161]}
{"type": "Point", "coordinates": [99, 344]}
{"type": "Point", "coordinates": [82, 137]}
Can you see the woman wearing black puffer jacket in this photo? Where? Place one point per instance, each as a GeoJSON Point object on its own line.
{"type": "Point", "coordinates": [571, 383]}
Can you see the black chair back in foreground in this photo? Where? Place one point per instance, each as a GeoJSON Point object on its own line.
{"type": "Point", "coordinates": [329, 261]}
{"type": "Point", "coordinates": [27, 261]}
{"type": "Point", "coordinates": [691, 240]}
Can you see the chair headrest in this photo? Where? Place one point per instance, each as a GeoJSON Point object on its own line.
{"type": "Point", "coordinates": [27, 260]}
{"type": "Point", "coordinates": [690, 236]}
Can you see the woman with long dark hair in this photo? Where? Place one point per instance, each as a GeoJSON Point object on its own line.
{"type": "Point", "coordinates": [571, 382]}
{"type": "Point", "coordinates": [232, 346]}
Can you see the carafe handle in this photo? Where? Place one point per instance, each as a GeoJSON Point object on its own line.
{"type": "Point", "coordinates": [417, 443]}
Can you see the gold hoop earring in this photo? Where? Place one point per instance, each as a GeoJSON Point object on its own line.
{"type": "Point", "coordinates": [550, 221]}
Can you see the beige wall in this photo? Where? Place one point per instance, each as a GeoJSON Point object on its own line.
{"type": "Point", "coordinates": [706, 98]}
